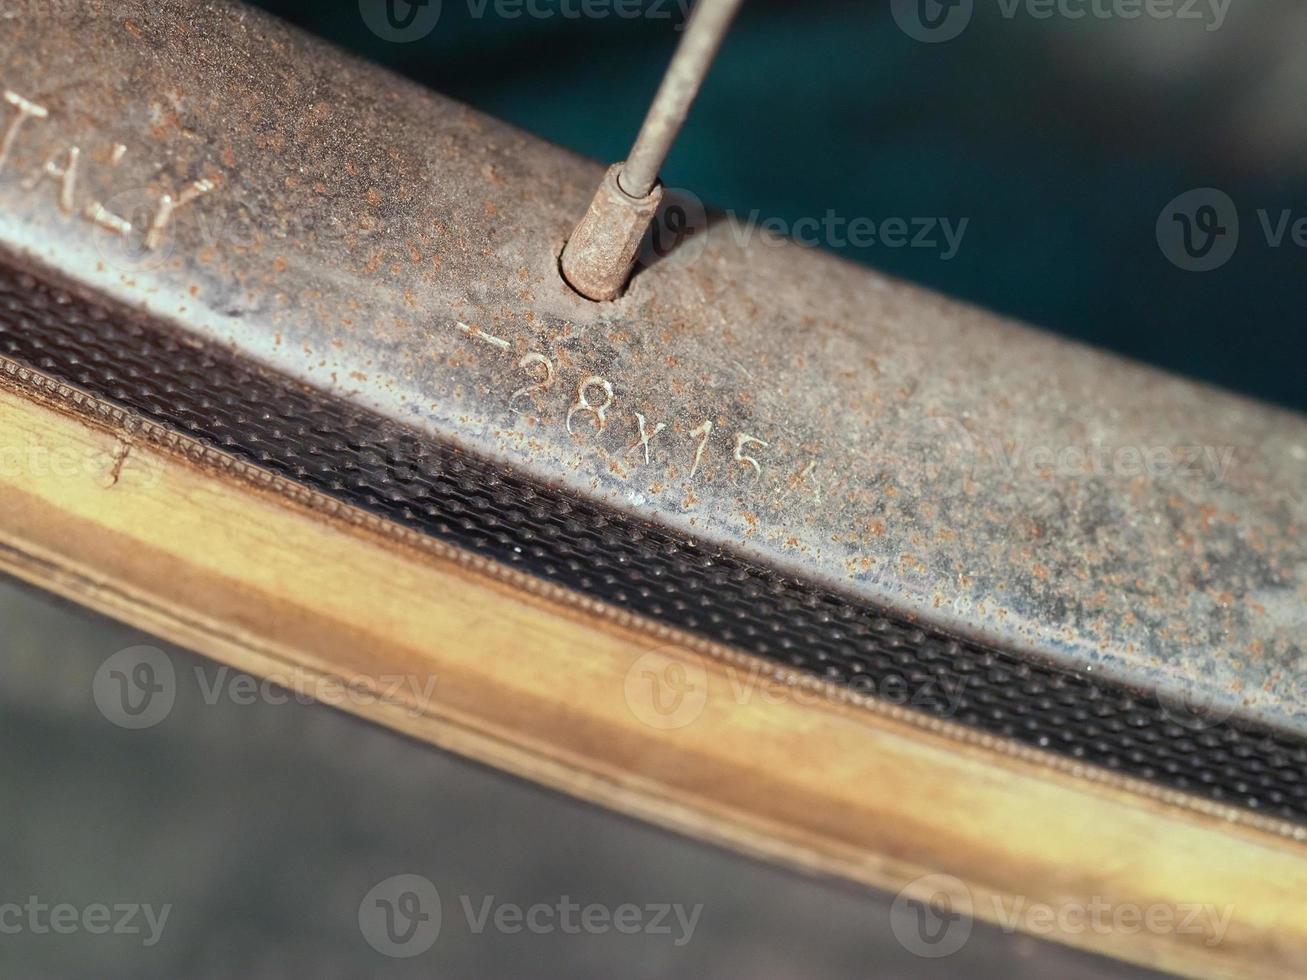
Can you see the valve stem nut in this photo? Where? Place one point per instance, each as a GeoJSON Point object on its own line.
{"type": "Point", "coordinates": [598, 258]}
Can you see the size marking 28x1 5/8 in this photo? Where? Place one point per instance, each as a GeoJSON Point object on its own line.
{"type": "Point", "coordinates": [592, 403]}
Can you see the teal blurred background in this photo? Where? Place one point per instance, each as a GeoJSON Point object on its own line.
{"type": "Point", "coordinates": [1060, 140]}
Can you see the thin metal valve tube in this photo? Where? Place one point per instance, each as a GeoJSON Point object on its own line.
{"type": "Point", "coordinates": [598, 258]}
{"type": "Point", "coordinates": [694, 56]}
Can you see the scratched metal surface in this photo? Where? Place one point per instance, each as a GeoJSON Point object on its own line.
{"type": "Point", "coordinates": [865, 434]}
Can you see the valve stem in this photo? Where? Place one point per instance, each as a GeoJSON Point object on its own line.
{"type": "Point", "coordinates": [598, 258]}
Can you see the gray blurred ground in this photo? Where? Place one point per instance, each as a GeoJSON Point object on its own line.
{"type": "Point", "coordinates": [264, 827]}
